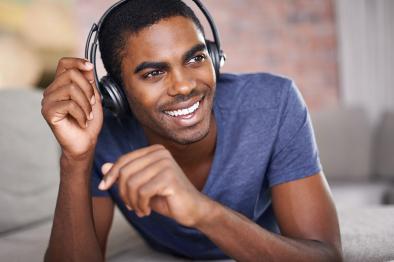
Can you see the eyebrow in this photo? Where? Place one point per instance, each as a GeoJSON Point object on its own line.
{"type": "Point", "coordinates": [165, 65]}
{"type": "Point", "coordinates": [145, 65]}
{"type": "Point", "coordinates": [197, 48]}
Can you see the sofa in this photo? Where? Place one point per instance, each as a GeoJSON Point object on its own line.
{"type": "Point", "coordinates": [357, 159]}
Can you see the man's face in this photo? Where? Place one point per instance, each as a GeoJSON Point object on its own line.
{"type": "Point", "coordinates": [169, 80]}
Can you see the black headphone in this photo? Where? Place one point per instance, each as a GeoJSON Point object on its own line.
{"type": "Point", "coordinates": [113, 96]}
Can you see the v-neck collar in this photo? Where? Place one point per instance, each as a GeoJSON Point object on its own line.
{"type": "Point", "coordinates": [140, 141]}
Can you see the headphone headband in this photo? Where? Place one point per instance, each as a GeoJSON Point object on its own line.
{"type": "Point", "coordinates": [97, 27]}
{"type": "Point", "coordinates": [112, 96]}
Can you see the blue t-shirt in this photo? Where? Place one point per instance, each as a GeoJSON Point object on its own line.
{"type": "Point", "coordinates": [264, 138]}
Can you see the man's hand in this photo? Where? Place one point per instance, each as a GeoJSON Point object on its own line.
{"type": "Point", "coordinates": [71, 105]}
{"type": "Point", "coordinates": [150, 179]}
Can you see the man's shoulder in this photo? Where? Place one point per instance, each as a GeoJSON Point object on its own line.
{"type": "Point", "coordinates": [251, 91]}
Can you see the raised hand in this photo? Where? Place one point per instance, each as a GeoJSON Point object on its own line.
{"type": "Point", "coordinates": [72, 107]}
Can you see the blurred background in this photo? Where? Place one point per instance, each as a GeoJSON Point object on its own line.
{"type": "Point", "coordinates": [339, 52]}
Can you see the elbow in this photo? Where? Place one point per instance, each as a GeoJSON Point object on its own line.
{"type": "Point", "coordinates": [332, 253]}
{"type": "Point", "coordinates": [47, 256]}
{"type": "Point", "coordinates": [53, 257]}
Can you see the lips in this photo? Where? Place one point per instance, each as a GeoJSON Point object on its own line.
{"type": "Point", "coordinates": [186, 108]}
{"type": "Point", "coordinates": [187, 116]}
{"type": "Point", "coordinates": [184, 111]}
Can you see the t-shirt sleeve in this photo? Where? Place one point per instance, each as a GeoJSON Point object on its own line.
{"type": "Point", "coordinates": [295, 153]}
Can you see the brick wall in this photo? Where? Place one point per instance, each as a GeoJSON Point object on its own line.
{"type": "Point", "coordinates": [295, 38]}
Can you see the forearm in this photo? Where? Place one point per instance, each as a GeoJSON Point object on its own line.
{"type": "Point", "coordinates": [243, 240]}
{"type": "Point", "coordinates": [73, 236]}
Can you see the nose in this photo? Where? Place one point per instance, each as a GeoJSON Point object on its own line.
{"type": "Point", "coordinates": [181, 84]}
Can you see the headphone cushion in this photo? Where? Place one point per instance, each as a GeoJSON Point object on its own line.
{"type": "Point", "coordinates": [214, 54]}
{"type": "Point", "coordinates": [113, 96]}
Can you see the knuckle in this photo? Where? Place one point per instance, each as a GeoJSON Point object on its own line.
{"type": "Point", "coordinates": [48, 88]}
{"type": "Point", "coordinates": [142, 192]}
{"type": "Point", "coordinates": [72, 72]}
{"type": "Point", "coordinates": [166, 163]}
{"type": "Point", "coordinates": [130, 183]}
{"type": "Point", "coordinates": [163, 156]}
{"type": "Point", "coordinates": [122, 171]}
{"type": "Point", "coordinates": [122, 158]}
{"type": "Point", "coordinates": [164, 166]}
{"type": "Point", "coordinates": [71, 105]}
{"type": "Point", "coordinates": [167, 153]}
{"type": "Point", "coordinates": [72, 88]}
{"type": "Point", "coordinates": [159, 147]}
{"type": "Point", "coordinates": [62, 60]}
{"type": "Point", "coordinates": [166, 174]}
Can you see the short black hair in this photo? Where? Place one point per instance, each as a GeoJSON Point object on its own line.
{"type": "Point", "coordinates": [129, 18]}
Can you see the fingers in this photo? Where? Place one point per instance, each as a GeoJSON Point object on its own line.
{"type": "Point", "coordinates": [114, 172]}
{"type": "Point", "coordinates": [106, 167]}
{"type": "Point", "coordinates": [134, 171]}
{"type": "Point", "coordinates": [75, 77]}
{"type": "Point", "coordinates": [67, 63]}
{"type": "Point", "coordinates": [140, 165]}
{"type": "Point", "coordinates": [157, 186]}
{"type": "Point", "coordinates": [59, 110]}
{"type": "Point", "coordinates": [130, 183]}
{"type": "Point", "coordinates": [73, 82]}
{"type": "Point", "coordinates": [74, 93]}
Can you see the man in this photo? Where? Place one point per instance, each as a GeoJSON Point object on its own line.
{"type": "Point", "coordinates": [203, 168]}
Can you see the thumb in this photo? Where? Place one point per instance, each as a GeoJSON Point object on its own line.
{"type": "Point", "coordinates": [104, 169]}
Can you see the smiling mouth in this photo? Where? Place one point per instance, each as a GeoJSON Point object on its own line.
{"type": "Point", "coordinates": [184, 111]}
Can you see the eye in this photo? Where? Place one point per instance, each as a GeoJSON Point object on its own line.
{"type": "Point", "coordinates": [153, 74]}
{"type": "Point", "coordinates": [197, 59]}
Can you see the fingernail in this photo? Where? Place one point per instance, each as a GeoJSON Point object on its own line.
{"type": "Point", "coordinates": [92, 100]}
{"type": "Point", "coordinates": [88, 65]}
{"type": "Point", "coordinates": [102, 185]}
{"type": "Point", "coordinates": [91, 116]}
{"type": "Point", "coordinates": [106, 167]}
{"type": "Point", "coordinates": [128, 207]}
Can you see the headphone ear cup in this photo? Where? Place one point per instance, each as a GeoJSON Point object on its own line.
{"type": "Point", "coordinates": [215, 56]}
{"type": "Point", "coordinates": [113, 98]}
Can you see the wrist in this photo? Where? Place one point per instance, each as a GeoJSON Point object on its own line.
{"type": "Point", "coordinates": [76, 168]}
{"type": "Point", "coordinates": [67, 157]}
{"type": "Point", "coordinates": [209, 213]}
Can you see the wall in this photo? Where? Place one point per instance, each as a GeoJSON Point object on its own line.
{"type": "Point", "coordinates": [294, 38]}
{"type": "Point", "coordinates": [366, 41]}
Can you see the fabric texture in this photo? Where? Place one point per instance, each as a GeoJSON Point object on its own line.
{"type": "Point", "coordinates": [384, 147]}
{"type": "Point", "coordinates": [344, 137]}
{"type": "Point", "coordinates": [29, 160]}
{"type": "Point", "coordinates": [264, 138]}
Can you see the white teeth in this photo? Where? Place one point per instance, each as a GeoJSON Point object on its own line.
{"type": "Point", "coordinates": [185, 111]}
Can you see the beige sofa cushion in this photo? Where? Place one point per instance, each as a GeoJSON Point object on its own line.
{"type": "Point", "coordinates": [28, 160]}
{"type": "Point", "coordinates": [344, 138]}
{"type": "Point", "coordinates": [384, 147]}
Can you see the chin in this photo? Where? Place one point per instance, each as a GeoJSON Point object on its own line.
{"type": "Point", "coordinates": [189, 138]}
{"type": "Point", "coordinates": [189, 135]}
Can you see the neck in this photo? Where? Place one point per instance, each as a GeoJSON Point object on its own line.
{"type": "Point", "coordinates": [190, 155]}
